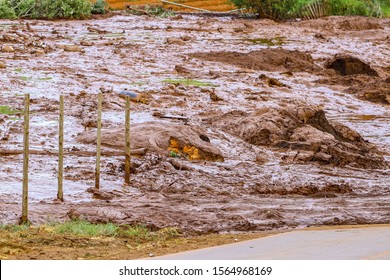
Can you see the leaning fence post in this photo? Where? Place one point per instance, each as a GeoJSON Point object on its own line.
{"type": "Point", "coordinates": [127, 140]}
{"type": "Point", "coordinates": [98, 140]}
{"type": "Point", "coordinates": [25, 158]}
{"type": "Point", "coordinates": [60, 193]}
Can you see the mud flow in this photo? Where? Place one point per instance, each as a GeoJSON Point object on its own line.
{"type": "Point", "coordinates": [239, 124]}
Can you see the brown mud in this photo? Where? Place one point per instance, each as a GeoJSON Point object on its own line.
{"type": "Point", "coordinates": [242, 135]}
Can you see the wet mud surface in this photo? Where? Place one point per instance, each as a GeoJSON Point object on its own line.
{"type": "Point", "coordinates": [249, 125]}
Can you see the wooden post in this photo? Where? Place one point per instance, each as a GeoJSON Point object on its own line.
{"type": "Point", "coordinates": [60, 193]}
{"type": "Point", "coordinates": [98, 140]}
{"type": "Point", "coordinates": [127, 139]}
{"type": "Point", "coordinates": [26, 136]}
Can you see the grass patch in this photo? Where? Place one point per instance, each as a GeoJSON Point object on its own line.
{"type": "Point", "coordinates": [188, 82]}
{"type": "Point", "coordinates": [6, 110]}
{"type": "Point", "coordinates": [138, 234]}
{"type": "Point", "coordinates": [45, 79]}
{"type": "Point", "coordinates": [14, 228]}
{"type": "Point", "coordinates": [18, 70]}
{"type": "Point", "coordinates": [277, 41]}
{"type": "Point", "coordinates": [24, 78]}
{"type": "Point", "coordinates": [84, 228]}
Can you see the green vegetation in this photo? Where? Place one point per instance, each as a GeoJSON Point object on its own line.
{"type": "Point", "coordinates": [84, 228]}
{"type": "Point", "coordinates": [286, 9]}
{"type": "Point", "coordinates": [188, 82]}
{"type": "Point", "coordinates": [277, 41]}
{"type": "Point", "coordinates": [151, 10]}
{"type": "Point", "coordinates": [50, 9]}
{"type": "Point", "coordinates": [6, 11]}
{"type": "Point", "coordinates": [100, 7]}
{"type": "Point", "coordinates": [6, 110]}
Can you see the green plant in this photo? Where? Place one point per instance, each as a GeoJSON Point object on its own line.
{"type": "Point", "coordinates": [6, 110]}
{"type": "Point", "coordinates": [6, 11]}
{"type": "Point", "coordinates": [286, 9]}
{"type": "Point", "coordinates": [85, 228]}
{"type": "Point", "coordinates": [151, 10]}
{"type": "Point", "coordinates": [47, 9]}
{"type": "Point", "coordinates": [100, 7]}
{"type": "Point", "coordinates": [173, 154]}
{"type": "Point", "coordinates": [188, 82]}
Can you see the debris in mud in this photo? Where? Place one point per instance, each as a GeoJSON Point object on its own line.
{"type": "Point", "coordinates": [214, 97]}
{"type": "Point", "coordinates": [268, 60]}
{"type": "Point", "coordinates": [304, 129]}
{"type": "Point", "coordinates": [7, 48]}
{"type": "Point", "coordinates": [163, 138]}
{"type": "Point", "coordinates": [73, 48]}
{"type": "Point", "coordinates": [272, 82]}
{"type": "Point", "coordinates": [312, 190]}
{"type": "Point", "coordinates": [358, 24]}
{"type": "Point", "coordinates": [175, 41]}
{"type": "Point", "coordinates": [336, 23]}
{"type": "Point", "coordinates": [349, 65]}
{"type": "Point", "coordinates": [375, 91]}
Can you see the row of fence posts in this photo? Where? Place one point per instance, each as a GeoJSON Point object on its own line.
{"type": "Point", "coordinates": [60, 192]}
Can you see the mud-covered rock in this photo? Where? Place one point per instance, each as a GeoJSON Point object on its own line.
{"type": "Point", "coordinates": [375, 91]}
{"type": "Point", "coordinates": [349, 65]}
{"type": "Point", "coordinates": [167, 139]}
{"type": "Point", "coordinates": [304, 129]}
{"type": "Point", "coordinates": [268, 60]}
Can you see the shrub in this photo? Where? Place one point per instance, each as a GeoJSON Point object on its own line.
{"type": "Point", "coordinates": [49, 9]}
{"type": "Point", "coordinates": [285, 9]}
{"type": "Point", "coordinates": [6, 10]}
{"type": "Point", "coordinates": [100, 7]}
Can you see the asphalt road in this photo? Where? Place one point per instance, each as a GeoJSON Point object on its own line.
{"type": "Point", "coordinates": [331, 244]}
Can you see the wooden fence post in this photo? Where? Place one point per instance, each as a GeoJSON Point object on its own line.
{"type": "Point", "coordinates": [26, 136]}
{"type": "Point", "coordinates": [127, 139]}
{"type": "Point", "coordinates": [98, 140]}
{"type": "Point", "coordinates": [60, 193]}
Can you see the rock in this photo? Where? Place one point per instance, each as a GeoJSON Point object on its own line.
{"type": "Point", "coordinates": [305, 129]}
{"type": "Point", "coordinates": [182, 70]}
{"type": "Point", "coordinates": [349, 65]}
{"type": "Point", "coordinates": [175, 41]}
{"type": "Point", "coordinates": [266, 60]}
{"type": "Point", "coordinates": [179, 140]}
{"type": "Point", "coordinates": [86, 43]}
{"type": "Point", "coordinates": [272, 82]}
{"type": "Point", "coordinates": [73, 48]}
{"type": "Point", "coordinates": [7, 48]}
{"type": "Point", "coordinates": [3, 65]}
{"type": "Point", "coordinates": [214, 97]}
{"type": "Point", "coordinates": [375, 91]}
{"type": "Point", "coordinates": [37, 51]}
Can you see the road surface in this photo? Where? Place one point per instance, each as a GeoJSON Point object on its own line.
{"type": "Point", "coordinates": [330, 244]}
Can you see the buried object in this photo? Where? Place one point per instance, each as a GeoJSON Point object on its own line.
{"type": "Point", "coordinates": [304, 129]}
{"type": "Point", "coordinates": [163, 138]}
{"type": "Point", "coordinates": [349, 65]}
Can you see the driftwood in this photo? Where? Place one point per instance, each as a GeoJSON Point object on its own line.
{"type": "Point", "coordinates": [135, 152]}
{"type": "Point", "coordinates": [162, 116]}
{"type": "Point", "coordinates": [184, 6]}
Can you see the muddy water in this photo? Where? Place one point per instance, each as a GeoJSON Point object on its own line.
{"type": "Point", "coordinates": [257, 187]}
